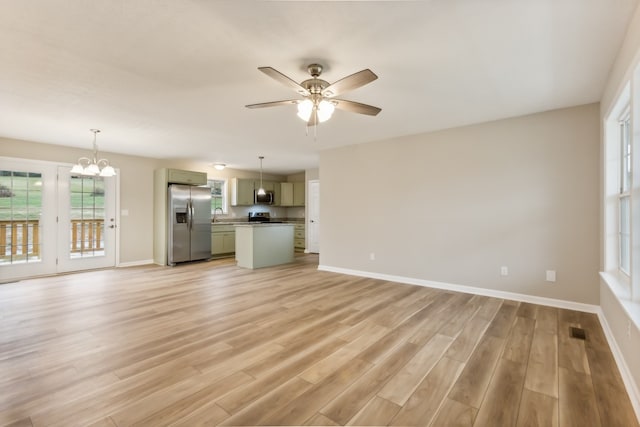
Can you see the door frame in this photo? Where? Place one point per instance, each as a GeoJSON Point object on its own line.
{"type": "Point", "coordinates": [65, 263]}
{"type": "Point", "coordinates": [311, 205]}
{"type": "Point", "coordinates": [47, 223]}
{"type": "Point", "coordinates": [49, 230]}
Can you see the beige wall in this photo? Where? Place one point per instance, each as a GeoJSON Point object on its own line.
{"type": "Point", "coordinates": [454, 206]}
{"type": "Point", "coordinates": [136, 190]}
{"type": "Point", "coordinates": [628, 54]}
{"type": "Point", "coordinates": [312, 174]}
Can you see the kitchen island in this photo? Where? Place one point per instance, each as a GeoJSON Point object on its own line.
{"type": "Point", "coordinates": [263, 245]}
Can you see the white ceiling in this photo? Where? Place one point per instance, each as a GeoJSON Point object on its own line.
{"type": "Point", "coordinates": [170, 78]}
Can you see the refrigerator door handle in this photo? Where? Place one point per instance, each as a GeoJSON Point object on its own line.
{"type": "Point", "coordinates": [190, 214]}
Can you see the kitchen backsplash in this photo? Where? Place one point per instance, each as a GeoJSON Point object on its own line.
{"type": "Point", "coordinates": [241, 212]}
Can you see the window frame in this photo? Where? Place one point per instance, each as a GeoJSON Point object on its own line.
{"type": "Point", "coordinates": [625, 184]}
{"type": "Point", "coordinates": [223, 196]}
{"type": "Point", "coordinates": [612, 162]}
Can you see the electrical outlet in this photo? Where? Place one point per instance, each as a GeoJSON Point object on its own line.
{"type": "Point", "coordinates": [372, 256]}
{"type": "Point", "coordinates": [504, 271]}
{"type": "Point", "coordinates": [551, 275]}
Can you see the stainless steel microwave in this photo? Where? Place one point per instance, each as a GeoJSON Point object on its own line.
{"type": "Point", "coordinates": [263, 199]}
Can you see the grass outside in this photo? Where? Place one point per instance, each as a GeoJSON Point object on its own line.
{"type": "Point", "coordinates": [21, 197]}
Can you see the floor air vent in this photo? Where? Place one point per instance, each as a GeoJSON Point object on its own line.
{"type": "Point", "coordinates": [577, 333]}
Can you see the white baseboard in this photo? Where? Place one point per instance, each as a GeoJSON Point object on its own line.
{"type": "Point", "coordinates": [627, 378]}
{"type": "Point", "coordinates": [135, 263]}
{"type": "Point", "coordinates": [570, 305]}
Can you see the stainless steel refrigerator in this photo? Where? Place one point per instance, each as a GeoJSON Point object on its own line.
{"type": "Point", "coordinates": [189, 223]}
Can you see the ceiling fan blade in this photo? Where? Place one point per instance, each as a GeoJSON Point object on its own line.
{"type": "Point", "coordinates": [273, 104]}
{"type": "Point", "coordinates": [348, 83]}
{"type": "Point", "coordinates": [277, 75]}
{"type": "Point", "coordinates": [356, 107]}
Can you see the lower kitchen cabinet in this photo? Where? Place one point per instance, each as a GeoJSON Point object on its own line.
{"type": "Point", "coordinates": [223, 239]}
{"type": "Point", "coordinates": [299, 242]}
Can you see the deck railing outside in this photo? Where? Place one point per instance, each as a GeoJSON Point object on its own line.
{"type": "Point", "coordinates": [20, 240]}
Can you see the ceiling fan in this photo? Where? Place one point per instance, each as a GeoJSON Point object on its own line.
{"type": "Point", "coordinates": [318, 101]}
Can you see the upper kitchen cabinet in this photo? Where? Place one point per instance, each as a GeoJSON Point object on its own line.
{"type": "Point", "coordinates": [277, 193]}
{"type": "Point", "coordinates": [298, 194]}
{"type": "Point", "coordinates": [241, 192]}
{"type": "Point", "coordinates": [267, 185]}
{"type": "Point", "coordinates": [292, 194]}
{"type": "Point", "coordinates": [286, 194]}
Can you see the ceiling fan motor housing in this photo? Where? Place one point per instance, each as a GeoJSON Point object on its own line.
{"type": "Point", "coordinates": [314, 85]}
{"type": "Point", "coordinates": [315, 70]}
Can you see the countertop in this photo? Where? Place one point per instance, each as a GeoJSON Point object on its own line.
{"type": "Point", "coordinates": [264, 224]}
{"type": "Point", "coordinates": [280, 221]}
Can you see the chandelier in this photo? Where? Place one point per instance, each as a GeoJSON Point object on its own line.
{"type": "Point", "coordinates": [93, 166]}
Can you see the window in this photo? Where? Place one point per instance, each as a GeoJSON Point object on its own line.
{"type": "Point", "coordinates": [20, 211]}
{"type": "Point", "coordinates": [218, 195]}
{"type": "Point", "coordinates": [87, 216]}
{"type": "Point", "coordinates": [620, 203]}
{"type": "Point", "coordinates": [624, 197]}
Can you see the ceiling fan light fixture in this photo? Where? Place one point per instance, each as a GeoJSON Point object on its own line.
{"type": "Point", "coordinates": [304, 109]}
{"type": "Point", "coordinates": [325, 110]}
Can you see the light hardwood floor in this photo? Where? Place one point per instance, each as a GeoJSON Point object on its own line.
{"type": "Point", "coordinates": [209, 343]}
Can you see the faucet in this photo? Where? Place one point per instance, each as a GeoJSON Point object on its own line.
{"type": "Point", "coordinates": [214, 214]}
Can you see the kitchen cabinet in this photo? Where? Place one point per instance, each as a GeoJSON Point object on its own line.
{"type": "Point", "coordinates": [292, 194]}
{"type": "Point", "coordinates": [286, 194]}
{"type": "Point", "coordinates": [277, 192]}
{"type": "Point", "coordinates": [177, 176]}
{"type": "Point", "coordinates": [267, 185]}
{"type": "Point", "coordinates": [263, 245]}
{"type": "Point", "coordinates": [298, 194]}
{"type": "Point", "coordinates": [223, 239]}
{"type": "Point", "coordinates": [242, 192]}
{"type": "Point", "coordinates": [299, 238]}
